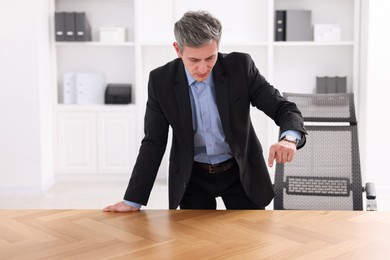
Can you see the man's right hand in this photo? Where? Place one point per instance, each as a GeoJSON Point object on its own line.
{"type": "Point", "coordinates": [120, 207]}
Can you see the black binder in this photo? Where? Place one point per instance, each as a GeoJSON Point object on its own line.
{"type": "Point", "coordinates": [321, 85]}
{"type": "Point", "coordinates": [341, 84]}
{"type": "Point", "coordinates": [280, 25]}
{"type": "Point", "coordinates": [82, 27]}
{"type": "Point", "coordinates": [70, 27]}
{"type": "Point", "coordinates": [327, 85]}
{"type": "Point", "coordinates": [298, 25]}
{"type": "Point", "coordinates": [118, 94]}
{"type": "Point", "coordinates": [331, 85]}
{"type": "Point", "coordinates": [59, 25]}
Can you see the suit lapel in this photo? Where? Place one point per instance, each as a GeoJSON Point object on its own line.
{"type": "Point", "coordinates": [183, 100]}
{"type": "Point", "coordinates": [221, 84]}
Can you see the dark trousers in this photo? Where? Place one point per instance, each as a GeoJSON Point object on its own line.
{"type": "Point", "coordinates": [204, 187]}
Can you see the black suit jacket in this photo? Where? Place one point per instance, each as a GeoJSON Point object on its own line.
{"type": "Point", "coordinates": [238, 84]}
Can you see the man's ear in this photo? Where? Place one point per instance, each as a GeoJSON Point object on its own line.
{"type": "Point", "coordinates": [177, 49]}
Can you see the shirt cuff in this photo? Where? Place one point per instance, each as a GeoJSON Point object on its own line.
{"type": "Point", "coordinates": [294, 133]}
{"type": "Point", "coordinates": [133, 204]}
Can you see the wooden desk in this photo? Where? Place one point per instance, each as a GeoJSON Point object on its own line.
{"type": "Point", "coordinates": [164, 234]}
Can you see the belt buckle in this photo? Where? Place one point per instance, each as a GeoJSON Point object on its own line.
{"type": "Point", "coordinates": [211, 169]}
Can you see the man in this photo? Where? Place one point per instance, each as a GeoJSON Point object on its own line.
{"type": "Point", "coordinates": [205, 96]}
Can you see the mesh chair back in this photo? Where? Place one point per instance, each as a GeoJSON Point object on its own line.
{"type": "Point", "coordinates": [325, 107]}
{"type": "Point", "coordinates": [325, 174]}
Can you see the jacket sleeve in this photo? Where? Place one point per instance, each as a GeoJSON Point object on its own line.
{"type": "Point", "coordinates": [151, 151]}
{"type": "Point", "coordinates": [268, 99]}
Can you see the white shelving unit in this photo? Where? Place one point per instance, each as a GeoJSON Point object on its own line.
{"type": "Point", "coordinates": [98, 140]}
{"type": "Point", "coordinates": [248, 26]}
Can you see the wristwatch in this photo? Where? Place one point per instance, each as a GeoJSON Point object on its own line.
{"type": "Point", "coordinates": [289, 138]}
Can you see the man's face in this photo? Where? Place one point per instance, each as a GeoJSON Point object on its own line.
{"type": "Point", "coordinates": [199, 61]}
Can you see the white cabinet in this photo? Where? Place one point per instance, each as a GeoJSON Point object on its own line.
{"type": "Point", "coordinates": [76, 142]}
{"type": "Point", "coordinates": [96, 142]}
{"type": "Point", "coordinates": [248, 26]}
{"type": "Point", "coordinates": [117, 142]}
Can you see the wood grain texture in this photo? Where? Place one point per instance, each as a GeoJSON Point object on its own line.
{"type": "Point", "coordinates": [181, 234]}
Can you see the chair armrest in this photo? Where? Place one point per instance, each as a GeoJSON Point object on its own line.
{"type": "Point", "coordinates": [371, 197]}
{"type": "Point", "coordinates": [370, 191]}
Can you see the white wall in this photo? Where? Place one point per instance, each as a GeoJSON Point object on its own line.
{"type": "Point", "coordinates": [25, 98]}
{"type": "Point", "coordinates": [375, 97]}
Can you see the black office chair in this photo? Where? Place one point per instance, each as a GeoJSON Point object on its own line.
{"type": "Point", "coordinates": [325, 174]}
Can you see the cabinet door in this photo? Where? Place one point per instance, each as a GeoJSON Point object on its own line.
{"type": "Point", "coordinates": [77, 149]}
{"type": "Point", "coordinates": [118, 142]}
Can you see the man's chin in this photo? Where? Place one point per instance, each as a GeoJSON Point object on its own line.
{"type": "Point", "coordinates": [201, 78]}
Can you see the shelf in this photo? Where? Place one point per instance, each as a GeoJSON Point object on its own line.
{"type": "Point", "coordinates": [260, 44]}
{"type": "Point", "coordinates": [157, 44]}
{"type": "Point", "coordinates": [101, 1]}
{"type": "Point", "coordinates": [97, 108]}
{"type": "Point", "coordinates": [98, 44]}
{"type": "Point", "coordinates": [223, 43]}
{"type": "Point", "coordinates": [308, 44]}
{"type": "Point", "coordinates": [248, 44]}
{"type": "Point", "coordinates": [248, 27]}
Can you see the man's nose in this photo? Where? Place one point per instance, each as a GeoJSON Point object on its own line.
{"type": "Point", "coordinates": [202, 68]}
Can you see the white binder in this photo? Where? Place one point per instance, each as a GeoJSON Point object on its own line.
{"type": "Point", "coordinates": [90, 88]}
{"type": "Point", "coordinates": [83, 88]}
{"type": "Point", "coordinates": [69, 88]}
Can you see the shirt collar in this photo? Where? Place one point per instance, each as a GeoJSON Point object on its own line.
{"type": "Point", "coordinates": [191, 80]}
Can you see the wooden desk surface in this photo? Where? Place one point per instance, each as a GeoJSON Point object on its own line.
{"type": "Point", "coordinates": [180, 234]}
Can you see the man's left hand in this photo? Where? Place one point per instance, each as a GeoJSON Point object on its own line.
{"type": "Point", "coordinates": [281, 152]}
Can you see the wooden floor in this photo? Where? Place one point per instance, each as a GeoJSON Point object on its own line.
{"type": "Point", "coordinates": [164, 234]}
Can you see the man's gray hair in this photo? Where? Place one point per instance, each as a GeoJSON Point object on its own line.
{"type": "Point", "coordinates": [197, 28]}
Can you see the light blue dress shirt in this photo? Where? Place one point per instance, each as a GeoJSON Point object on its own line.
{"type": "Point", "coordinates": [210, 145]}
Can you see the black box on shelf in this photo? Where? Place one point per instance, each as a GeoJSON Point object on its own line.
{"type": "Point", "coordinates": [118, 94]}
{"type": "Point", "coordinates": [336, 84]}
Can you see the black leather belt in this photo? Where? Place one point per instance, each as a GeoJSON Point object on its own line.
{"type": "Point", "coordinates": [217, 168]}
